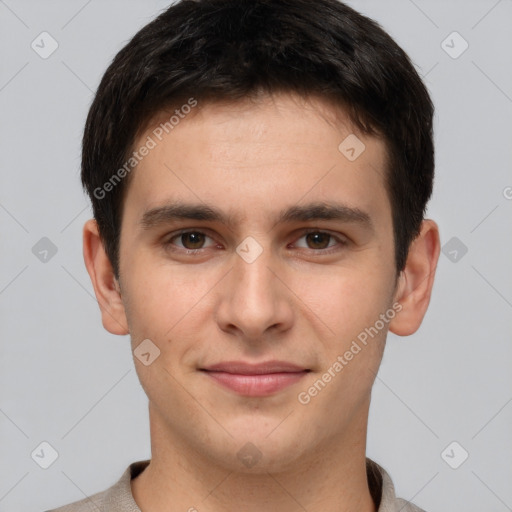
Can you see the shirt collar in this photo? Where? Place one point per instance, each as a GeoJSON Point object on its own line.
{"type": "Point", "coordinates": [120, 498]}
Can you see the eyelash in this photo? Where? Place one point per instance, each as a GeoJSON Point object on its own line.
{"type": "Point", "coordinates": [341, 241]}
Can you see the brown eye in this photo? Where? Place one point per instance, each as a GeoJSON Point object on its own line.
{"type": "Point", "coordinates": [318, 240]}
{"type": "Point", "coordinates": [189, 241]}
{"type": "Point", "coordinates": [322, 242]}
{"type": "Point", "coordinates": [192, 240]}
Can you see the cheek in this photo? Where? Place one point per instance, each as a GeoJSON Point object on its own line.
{"type": "Point", "coordinates": [351, 306]}
{"type": "Point", "coordinates": [160, 295]}
{"type": "Point", "coordinates": [170, 305]}
{"type": "Point", "coordinates": [346, 301]}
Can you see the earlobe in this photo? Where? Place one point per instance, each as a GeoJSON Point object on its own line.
{"type": "Point", "coordinates": [416, 280]}
{"type": "Point", "coordinates": [106, 286]}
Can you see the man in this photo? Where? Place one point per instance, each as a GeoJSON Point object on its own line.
{"type": "Point", "coordinates": [259, 173]}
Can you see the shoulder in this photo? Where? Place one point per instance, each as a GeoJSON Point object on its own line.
{"type": "Point", "coordinates": [117, 498]}
{"type": "Point", "coordinates": [383, 491]}
{"type": "Point", "coordinates": [94, 503]}
{"type": "Point", "coordinates": [407, 506]}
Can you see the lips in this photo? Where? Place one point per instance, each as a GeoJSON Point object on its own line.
{"type": "Point", "coordinates": [262, 379]}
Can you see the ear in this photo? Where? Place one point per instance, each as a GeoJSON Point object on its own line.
{"type": "Point", "coordinates": [106, 287]}
{"type": "Point", "coordinates": [416, 280]}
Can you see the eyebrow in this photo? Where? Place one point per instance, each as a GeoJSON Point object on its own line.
{"type": "Point", "coordinates": [317, 211]}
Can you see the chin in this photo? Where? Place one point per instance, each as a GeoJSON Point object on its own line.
{"type": "Point", "coordinates": [261, 450]}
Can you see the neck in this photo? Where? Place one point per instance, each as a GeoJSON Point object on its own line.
{"type": "Point", "coordinates": [182, 478]}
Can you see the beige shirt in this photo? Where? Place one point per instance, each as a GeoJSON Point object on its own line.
{"type": "Point", "coordinates": [119, 498]}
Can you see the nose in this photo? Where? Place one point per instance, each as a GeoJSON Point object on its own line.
{"type": "Point", "coordinates": [255, 302]}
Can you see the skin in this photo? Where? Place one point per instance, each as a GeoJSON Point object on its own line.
{"type": "Point", "coordinates": [302, 300]}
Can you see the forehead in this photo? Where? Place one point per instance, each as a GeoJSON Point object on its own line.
{"type": "Point", "coordinates": [258, 154]}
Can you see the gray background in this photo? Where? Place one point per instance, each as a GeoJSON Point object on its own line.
{"type": "Point", "coordinates": [66, 381]}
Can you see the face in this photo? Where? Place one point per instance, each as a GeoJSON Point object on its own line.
{"type": "Point", "coordinates": [255, 255]}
